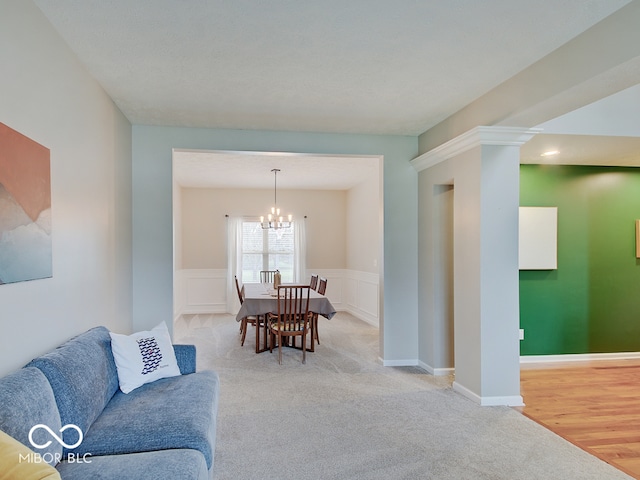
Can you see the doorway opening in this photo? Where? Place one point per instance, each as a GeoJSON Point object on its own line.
{"type": "Point", "coordinates": [339, 197]}
{"type": "Point", "coordinates": [444, 314]}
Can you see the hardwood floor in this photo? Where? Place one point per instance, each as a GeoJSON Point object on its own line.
{"type": "Point", "coordinates": [595, 405]}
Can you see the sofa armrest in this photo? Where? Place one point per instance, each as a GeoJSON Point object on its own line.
{"type": "Point", "coordinates": [186, 357]}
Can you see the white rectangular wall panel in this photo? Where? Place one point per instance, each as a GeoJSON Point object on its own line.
{"type": "Point", "coordinates": [538, 245]}
{"type": "Point", "coordinates": [205, 291]}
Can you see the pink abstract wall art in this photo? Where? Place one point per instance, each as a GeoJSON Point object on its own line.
{"type": "Point", "coordinates": [25, 208]}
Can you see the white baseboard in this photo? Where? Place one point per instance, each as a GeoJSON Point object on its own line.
{"type": "Point", "coordinates": [204, 309]}
{"type": "Point", "coordinates": [509, 401]}
{"type": "Point", "coordinates": [360, 315]}
{"type": "Point", "coordinates": [398, 363]}
{"type": "Point", "coordinates": [436, 372]}
{"type": "Point", "coordinates": [578, 357]}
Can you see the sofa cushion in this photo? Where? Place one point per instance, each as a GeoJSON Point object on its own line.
{"type": "Point", "coordinates": [26, 400]}
{"type": "Point", "coordinates": [174, 464]}
{"type": "Point", "coordinates": [186, 358]}
{"type": "Point", "coordinates": [83, 376]}
{"type": "Point", "coordinates": [176, 412]}
{"type": "Point", "coordinates": [143, 357]}
{"type": "Point", "coordinates": [16, 462]}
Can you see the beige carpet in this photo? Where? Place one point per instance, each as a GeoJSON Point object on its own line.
{"type": "Point", "coordinates": [345, 416]}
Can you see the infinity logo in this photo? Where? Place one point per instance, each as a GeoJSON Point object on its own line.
{"type": "Point", "coordinates": [59, 440]}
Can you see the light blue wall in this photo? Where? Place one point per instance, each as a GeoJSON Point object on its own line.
{"type": "Point", "coordinates": [152, 217]}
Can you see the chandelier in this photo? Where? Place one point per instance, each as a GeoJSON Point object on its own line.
{"type": "Point", "coordinates": [274, 219]}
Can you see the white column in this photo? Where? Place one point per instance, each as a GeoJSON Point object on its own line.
{"type": "Point", "coordinates": [482, 167]}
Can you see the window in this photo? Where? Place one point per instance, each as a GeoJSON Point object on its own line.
{"type": "Point", "coordinates": [267, 249]}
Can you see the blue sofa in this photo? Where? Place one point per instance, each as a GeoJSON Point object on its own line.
{"type": "Point", "coordinates": [161, 430]}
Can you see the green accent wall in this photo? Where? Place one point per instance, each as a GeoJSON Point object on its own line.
{"type": "Point", "coordinates": [591, 303]}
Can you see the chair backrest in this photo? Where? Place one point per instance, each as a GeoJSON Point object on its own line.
{"type": "Point", "coordinates": [314, 281]}
{"type": "Point", "coordinates": [322, 286]}
{"type": "Point", "coordinates": [267, 276]}
{"type": "Point", "coordinates": [240, 292]}
{"type": "Point", "coordinates": [293, 307]}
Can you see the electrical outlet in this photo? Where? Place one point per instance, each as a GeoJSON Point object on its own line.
{"type": "Point", "coordinates": [522, 334]}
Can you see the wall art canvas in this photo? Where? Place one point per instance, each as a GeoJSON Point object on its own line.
{"type": "Point", "coordinates": [538, 234]}
{"type": "Point", "coordinates": [637, 238]}
{"type": "Point", "coordinates": [25, 208]}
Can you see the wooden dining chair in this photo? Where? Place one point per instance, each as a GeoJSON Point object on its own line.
{"type": "Point", "coordinates": [322, 288]}
{"type": "Point", "coordinates": [267, 276]}
{"type": "Point", "coordinates": [314, 281]}
{"type": "Point", "coordinates": [292, 320]}
{"type": "Point", "coordinates": [240, 297]}
{"type": "Point", "coordinates": [250, 320]}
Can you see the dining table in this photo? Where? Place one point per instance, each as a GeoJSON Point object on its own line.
{"type": "Point", "coordinates": [261, 299]}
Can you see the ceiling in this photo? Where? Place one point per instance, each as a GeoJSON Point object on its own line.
{"type": "Point", "coordinates": [357, 66]}
{"type": "Point", "coordinates": [582, 150]}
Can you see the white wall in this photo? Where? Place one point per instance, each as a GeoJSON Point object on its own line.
{"type": "Point", "coordinates": [49, 97]}
{"type": "Point", "coordinates": [364, 206]}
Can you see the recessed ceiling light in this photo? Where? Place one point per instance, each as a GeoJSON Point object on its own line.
{"type": "Point", "coordinates": [550, 153]}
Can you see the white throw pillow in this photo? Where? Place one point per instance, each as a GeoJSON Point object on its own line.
{"type": "Point", "coordinates": [143, 357]}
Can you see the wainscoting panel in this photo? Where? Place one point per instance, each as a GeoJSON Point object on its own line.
{"type": "Point", "coordinates": [201, 291]}
{"type": "Point", "coordinates": [205, 291]}
{"type": "Point", "coordinates": [354, 292]}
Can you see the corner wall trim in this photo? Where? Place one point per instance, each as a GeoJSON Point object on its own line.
{"type": "Point", "coordinates": [436, 372]}
{"type": "Point", "coordinates": [509, 401]}
{"type": "Point", "coordinates": [475, 137]}
{"type": "Point", "coordinates": [399, 363]}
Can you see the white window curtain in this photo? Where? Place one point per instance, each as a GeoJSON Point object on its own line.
{"type": "Point", "coordinates": [234, 257]}
{"type": "Point", "coordinates": [234, 261]}
{"type": "Point", "coordinates": [300, 251]}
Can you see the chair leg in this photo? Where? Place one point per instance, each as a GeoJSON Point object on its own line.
{"type": "Point", "coordinates": [279, 348]}
{"type": "Point", "coordinates": [258, 334]}
{"type": "Point", "coordinates": [243, 330]}
{"type": "Point", "coordinates": [315, 329]}
{"type": "Point", "coordinates": [310, 330]}
{"type": "Point", "coordinates": [266, 333]}
{"type": "Point", "coordinates": [271, 340]}
{"type": "Point", "coordinates": [304, 348]}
